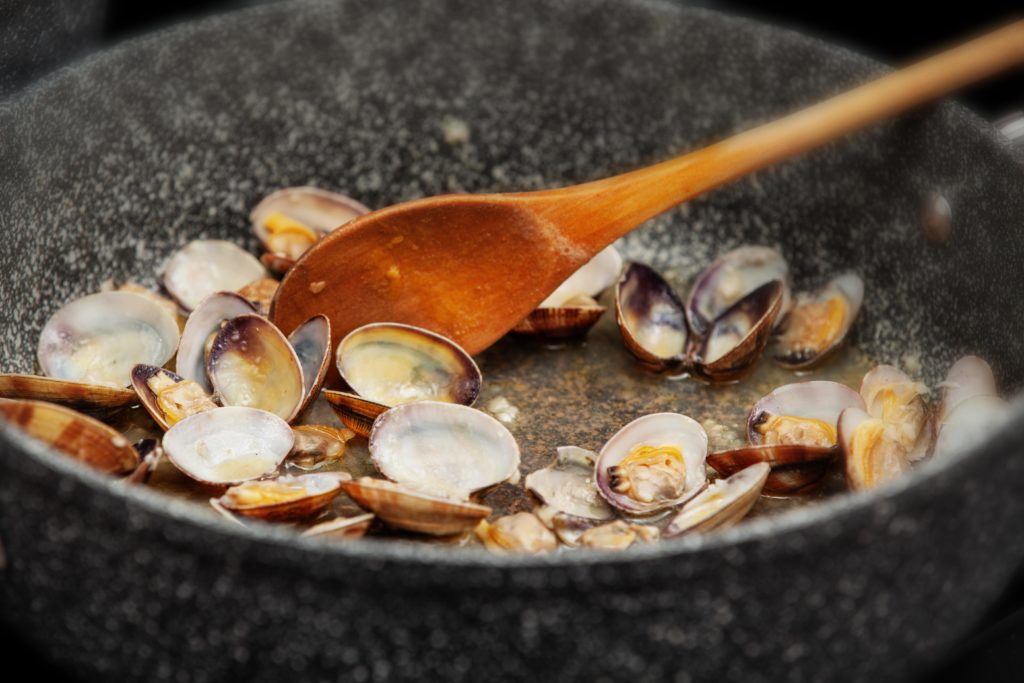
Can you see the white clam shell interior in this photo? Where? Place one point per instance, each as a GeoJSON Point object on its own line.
{"type": "Point", "coordinates": [443, 449]}
{"type": "Point", "coordinates": [205, 321]}
{"type": "Point", "coordinates": [595, 276]}
{"type": "Point", "coordinates": [228, 445]}
{"type": "Point", "coordinates": [816, 400]}
{"type": "Point", "coordinates": [567, 485]}
{"type": "Point", "coordinates": [203, 267]}
{"type": "Point", "coordinates": [99, 338]}
{"type": "Point", "coordinates": [734, 275]}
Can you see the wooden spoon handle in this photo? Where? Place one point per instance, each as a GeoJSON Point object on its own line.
{"type": "Point", "coordinates": [607, 209]}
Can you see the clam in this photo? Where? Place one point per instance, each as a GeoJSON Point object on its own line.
{"type": "Point", "coordinates": [804, 413]}
{"type": "Point", "coordinates": [389, 364]}
{"type": "Point", "coordinates": [651, 318]}
{"type": "Point", "coordinates": [444, 449]}
{"type": "Point", "coordinates": [722, 504]}
{"type": "Point", "coordinates": [970, 376]}
{"type": "Point", "coordinates": [87, 440]}
{"type": "Point", "coordinates": [898, 401]}
{"type": "Point", "coordinates": [114, 285]}
{"type": "Point", "coordinates": [318, 445]}
{"type": "Point", "coordinates": [819, 322]}
{"type": "Point", "coordinates": [968, 424]}
{"type": "Point", "coordinates": [150, 452]}
{"type": "Point", "coordinates": [871, 456]}
{"type": "Point", "coordinates": [567, 485]}
{"type": "Point", "coordinates": [571, 310]}
{"type": "Point", "coordinates": [518, 533]}
{"type": "Point", "coordinates": [96, 399]}
{"type": "Point", "coordinates": [290, 221]}
{"type": "Point", "coordinates": [284, 498]}
{"type": "Point", "coordinates": [653, 323]}
{"type": "Point", "coordinates": [260, 293]}
{"type": "Point", "coordinates": [568, 528]}
{"type": "Point", "coordinates": [795, 468]}
{"type": "Point", "coordinates": [732, 277]}
{"type": "Point", "coordinates": [311, 342]}
{"type": "Point", "coordinates": [341, 528]}
{"type": "Point", "coordinates": [166, 396]}
{"type": "Point", "coordinates": [617, 535]}
{"type": "Point", "coordinates": [99, 338]}
{"type": "Point", "coordinates": [653, 463]}
{"type": "Point", "coordinates": [203, 267]}
{"type": "Point", "coordinates": [228, 445]}
{"type": "Point", "coordinates": [200, 328]}
{"type": "Point", "coordinates": [411, 510]}
{"type": "Point", "coordinates": [251, 364]}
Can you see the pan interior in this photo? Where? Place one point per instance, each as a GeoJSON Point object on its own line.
{"type": "Point", "coordinates": [111, 167]}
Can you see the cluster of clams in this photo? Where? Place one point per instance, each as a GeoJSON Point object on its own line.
{"type": "Point", "coordinates": [228, 388]}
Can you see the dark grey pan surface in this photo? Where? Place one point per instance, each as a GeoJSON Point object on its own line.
{"type": "Point", "coordinates": [109, 166]}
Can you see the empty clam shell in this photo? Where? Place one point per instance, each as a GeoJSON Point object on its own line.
{"type": "Point", "coordinates": [355, 412]}
{"type": "Point", "coordinates": [722, 504]}
{"type": "Point", "coordinates": [291, 220]}
{"type": "Point", "coordinates": [443, 448]}
{"type": "Point", "coordinates": [341, 528]}
{"type": "Point", "coordinates": [521, 532]}
{"type": "Point", "coordinates": [567, 485]}
{"type": "Point", "coordinates": [392, 364]}
{"type": "Point", "coordinates": [96, 399]}
{"type": "Point", "coordinates": [803, 413]}
{"type": "Point", "coordinates": [732, 277]}
{"type": "Point", "coordinates": [284, 498]}
{"type": "Point", "coordinates": [100, 337]}
{"type": "Point", "coordinates": [572, 319]}
{"type": "Point", "coordinates": [819, 322]}
{"type": "Point", "coordinates": [595, 276]}
{"type": "Point", "coordinates": [651, 318]}
{"type": "Point", "coordinates": [423, 513]}
{"type": "Point", "coordinates": [318, 445]}
{"type": "Point", "coordinates": [970, 376]}
{"type": "Point", "coordinates": [653, 463]}
{"type": "Point", "coordinates": [203, 267]}
{"type": "Point", "coordinates": [311, 342]}
{"type": "Point", "coordinates": [795, 468]}
{"type": "Point", "coordinates": [898, 401]}
{"type": "Point", "coordinates": [167, 396]}
{"type": "Point", "coordinates": [252, 364]}
{"type": "Point", "coordinates": [617, 535]}
{"type": "Point", "coordinates": [971, 422]}
{"type": "Point", "coordinates": [736, 339]}
{"type": "Point", "coordinates": [228, 445]}
{"type": "Point", "coordinates": [871, 457]}
{"type": "Point", "coordinates": [201, 326]}
{"type": "Point", "coordinates": [87, 440]}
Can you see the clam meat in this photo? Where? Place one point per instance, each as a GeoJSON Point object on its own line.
{"type": "Point", "coordinates": [291, 220]}
{"type": "Point", "coordinates": [819, 322]}
{"type": "Point", "coordinates": [521, 532]}
{"type": "Point", "coordinates": [168, 397]}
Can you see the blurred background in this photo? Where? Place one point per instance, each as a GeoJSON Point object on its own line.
{"type": "Point", "coordinates": [39, 36]}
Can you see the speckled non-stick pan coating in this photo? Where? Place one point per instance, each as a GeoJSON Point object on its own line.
{"type": "Point", "coordinates": [109, 166]}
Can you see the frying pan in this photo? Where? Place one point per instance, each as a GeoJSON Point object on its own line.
{"type": "Point", "coordinates": [110, 165]}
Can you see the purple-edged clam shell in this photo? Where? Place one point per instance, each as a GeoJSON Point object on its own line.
{"type": "Point", "coordinates": [730, 278]}
{"type": "Point", "coordinates": [311, 342]}
{"type": "Point", "coordinates": [738, 337]}
{"type": "Point", "coordinates": [202, 324]}
{"type": "Point", "coordinates": [651, 318]}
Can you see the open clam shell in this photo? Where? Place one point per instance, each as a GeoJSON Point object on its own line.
{"type": "Point", "coordinates": [317, 446]}
{"type": "Point", "coordinates": [228, 445]}
{"type": "Point", "coordinates": [203, 267]}
{"type": "Point", "coordinates": [445, 449]}
{"type": "Point", "coordinates": [521, 532]}
{"type": "Point", "coordinates": [392, 364]}
{"type": "Point", "coordinates": [653, 463]}
{"type": "Point", "coordinates": [251, 364]}
{"type": "Point", "coordinates": [804, 413]}
{"type": "Point", "coordinates": [289, 221]}
{"type": "Point", "coordinates": [311, 342]}
{"type": "Point", "coordinates": [572, 319]}
{"type": "Point", "coordinates": [819, 322]}
{"type": "Point", "coordinates": [795, 468]}
{"type": "Point", "coordinates": [722, 504]}
{"type": "Point", "coordinates": [342, 528]}
{"type": "Point", "coordinates": [167, 396]}
{"type": "Point", "coordinates": [969, 423]}
{"type": "Point", "coordinates": [202, 325]}
{"type": "Point", "coordinates": [284, 498]}
{"type": "Point", "coordinates": [567, 485]}
{"type": "Point", "coordinates": [968, 377]}
{"type": "Point", "coordinates": [100, 337]}
{"type": "Point", "coordinates": [871, 456]}
{"type": "Point", "coordinates": [355, 412]}
{"type": "Point", "coordinates": [896, 399]}
{"type": "Point", "coordinates": [95, 399]}
{"type": "Point", "coordinates": [87, 440]}
{"type": "Point", "coordinates": [568, 528]}
{"type": "Point", "coordinates": [595, 276]}
{"type": "Point", "coordinates": [732, 277]}
{"type": "Point", "coordinates": [737, 338]}
{"type": "Point", "coordinates": [411, 510]}
{"type": "Point", "coordinates": [651, 318]}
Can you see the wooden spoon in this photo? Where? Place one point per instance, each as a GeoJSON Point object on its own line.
{"type": "Point", "coordinates": [471, 266]}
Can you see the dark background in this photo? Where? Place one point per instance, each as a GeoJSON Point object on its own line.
{"type": "Point", "coordinates": [893, 33]}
